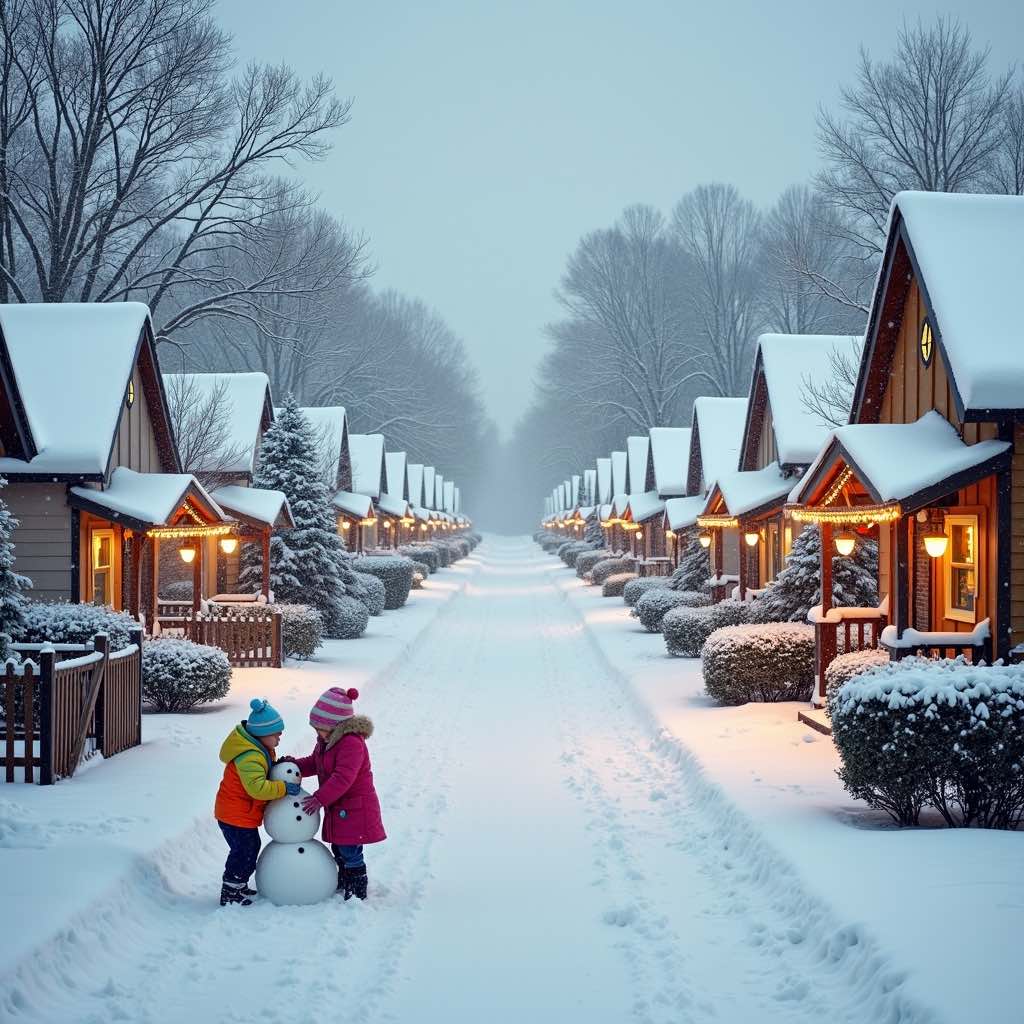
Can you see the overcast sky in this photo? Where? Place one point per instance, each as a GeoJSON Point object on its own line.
{"type": "Point", "coordinates": [487, 137]}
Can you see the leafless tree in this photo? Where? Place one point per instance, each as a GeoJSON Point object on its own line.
{"type": "Point", "coordinates": [721, 233]}
{"type": "Point", "coordinates": [201, 420]}
{"type": "Point", "coordinates": [930, 119]}
{"type": "Point", "coordinates": [1006, 174]}
{"type": "Point", "coordinates": [131, 166]}
{"type": "Point", "coordinates": [831, 401]}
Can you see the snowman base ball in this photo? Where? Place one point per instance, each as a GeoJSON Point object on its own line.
{"type": "Point", "coordinates": [296, 874]}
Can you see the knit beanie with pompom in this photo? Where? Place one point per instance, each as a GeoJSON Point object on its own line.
{"type": "Point", "coordinates": [333, 707]}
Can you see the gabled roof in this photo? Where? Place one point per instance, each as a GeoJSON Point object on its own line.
{"type": "Point", "coordinates": [458, 501]}
{"type": "Point", "coordinates": [358, 506]}
{"type": "Point", "coordinates": [428, 486]}
{"type": "Point", "coordinates": [751, 492]}
{"type": "Point", "coordinates": [715, 437]}
{"type": "Point", "coordinates": [644, 506]}
{"type": "Point", "coordinates": [248, 411]}
{"type": "Point", "coordinates": [414, 481]}
{"type": "Point", "coordinates": [784, 366]}
{"type": "Point", "coordinates": [604, 481]}
{"type": "Point", "coordinates": [393, 505]}
{"type": "Point", "coordinates": [575, 490]}
{"type": "Point", "coordinates": [620, 483]}
{"type": "Point", "coordinates": [397, 481]}
{"type": "Point", "coordinates": [255, 505]}
{"type": "Point", "coordinates": [640, 475]}
{"type": "Point", "coordinates": [449, 496]}
{"type": "Point", "coordinates": [967, 252]}
{"type": "Point", "coordinates": [439, 492]}
{"type": "Point", "coordinates": [590, 485]}
{"type": "Point", "coordinates": [670, 455]}
{"type": "Point", "coordinates": [681, 513]}
{"type": "Point", "coordinates": [912, 463]}
{"type": "Point", "coordinates": [64, 371]}
{"type": "Point", "coordinates": [330, 424]}
{"type": "Point", "coordinates": [367, 452]}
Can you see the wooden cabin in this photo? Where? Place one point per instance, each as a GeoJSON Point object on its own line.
{"type": "Point", "coordinates": [369, 480]}
{"type": "Point", "coordinates": [420, 530]}
{"type": "Point", "coordinates": [932, 461]}
{"type": "Point", "coordinates": [616, 539]}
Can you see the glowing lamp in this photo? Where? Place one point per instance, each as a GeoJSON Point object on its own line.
{"type": "Point", "coordinates": [669, 534]}
{"type": "Point", "coordinates": [935, 544]}
{"type": "Point", "coordinates": [423, 527]}
{"type": "Point", "coordinates": [387, 524]}
{"type": "Point", "coordinates": [751, 537]}
{"type": "Point", "coordinates": [228, 544]}
{"type": "Point", "coordinates": [639, 534]}
{"type": "Point", "coordinates": [845, 543]}
{"type": "Point", "coordinates": [705, 539]}
{"type": "Point", "coordinates": [187, 553]}
{"type": "Point", "coordinates": [345, 525]}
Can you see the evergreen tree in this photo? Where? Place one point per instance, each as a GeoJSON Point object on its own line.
{"type": "Point", "coordinates": [305, 561]}
{"type": "Point", "coordinates": [12, 601]}
{"type": "Point", "coordinates": [798, 587]}
{"type": "Point", "coordinates": [694, 568]}
{"type": "Point", "coordinates": [592, 532]}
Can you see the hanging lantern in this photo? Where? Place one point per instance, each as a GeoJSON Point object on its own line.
{"type": "Point", "coordinates": [188, 553]}
{"type": "Point", "coordinates": [935, 539]}
{"type": "Point", "coordinates": [845, 542]}
{"type": "Point", "coordinates": [228, 545]}
{"type": "Point", "coordinates": [705, 539]}
{"type": "Point", "coordinates": [669, 534]}
{"type": "Point", "coordinates": [639, 534]}
{"type": "Point", "coordinates": [423, 527]}
{"type": "Point", "coordinates": [751, 537]}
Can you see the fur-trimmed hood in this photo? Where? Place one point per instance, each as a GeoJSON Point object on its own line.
{"type": "Point", "coordinates": [360, 725]}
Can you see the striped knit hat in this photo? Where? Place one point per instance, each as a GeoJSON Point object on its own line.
{"type": "Point", "coordinates": [333, 707]}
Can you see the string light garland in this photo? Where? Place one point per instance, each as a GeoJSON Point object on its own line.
{"type": "Point", "coordinates": [182, 532]}
{"type": "Point", "coordinates": [857, 515]}
{"type": "Point", "coordinates": [718, 522]}
{"type": "Point", "coordinates": [837, 488]}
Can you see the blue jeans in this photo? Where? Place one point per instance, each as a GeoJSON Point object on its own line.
{"type": "Point", "coordinates": [348, 856]}
{"type": "Point", "coordinates": [243, 849]}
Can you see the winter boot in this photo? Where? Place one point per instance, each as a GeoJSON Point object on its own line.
{"type": "Point", "coordinates": [235, 892]}
{"type": "Point", "coordinates": [355, 882]}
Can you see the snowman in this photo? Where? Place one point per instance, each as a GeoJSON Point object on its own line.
{"type": "Point", "coordinates": [295, 868]}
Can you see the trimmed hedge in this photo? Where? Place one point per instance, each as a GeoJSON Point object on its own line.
{"type": "Point", "coordinates": [586, 560]}
{"type": "Point", "coordinates": [425, 553]}
{"type": "Point", "coordinates": [686, 628]}
{"type": "Point", "coordinates": [178, 674]}
{"type": "Point", "coordinates": [846, 666]}
{"type": "Point", "coordinates": [636, 588]}
{"type": "Point", "coordinates": [769, 662]}
{"type": "Point", "coordinates": [609, 567]}
{"type": "Point", "coordinates": [615, 585]}
{"type": "Point", "coordinates": [651, 607]}
{"type": "Point", "coordinates": [370, 590]}
{"type": "Point", "coordinates": [942, 733]}
{"type": "Point", "coordinates": [302, 630]}
{"type": "Point", "coordinates": [394, 571]}
{"type": "Point", "coordinates": [350, 619]}
{"type": "Point", "coordinates": [61, 623]}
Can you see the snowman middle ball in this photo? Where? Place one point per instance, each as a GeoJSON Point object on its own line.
{"type": "Point", "coordinates": [286, 821]}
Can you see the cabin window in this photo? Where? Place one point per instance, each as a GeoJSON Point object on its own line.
{"type": "Point", "coordinates": [102, 567]}
{"type": "Point", "coordinates": [129, 398]}
{"type": "Point", "coordinates": [961, 563]}
{"type": "Point", "coordinates": [926, 346]}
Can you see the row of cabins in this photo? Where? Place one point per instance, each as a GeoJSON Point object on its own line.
{"type": "Point", "coordinates": [929, 461]}
{"type": "Point", "coordinates": [107, 514]}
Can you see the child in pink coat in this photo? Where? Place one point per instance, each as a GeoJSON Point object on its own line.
{"type": "Point", "coordinates": [341, 763]}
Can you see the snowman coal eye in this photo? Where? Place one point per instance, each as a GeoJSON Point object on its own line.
{"type": "Point", "coordinates": [302, 849]}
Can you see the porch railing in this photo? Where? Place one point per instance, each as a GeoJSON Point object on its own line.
{"type": "Point", "coordinates": [843, 630]}
{"type": "Point", "coordinates": [250, 637]}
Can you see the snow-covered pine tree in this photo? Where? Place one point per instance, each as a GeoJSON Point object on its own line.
{"type": "Point", "coordinates": [694, 568]}
{"type": "Point", "coordinates": [592, 532]}
{"type": "Point", "coordinates": [304, 561]}
{"type": "Point", "coordinates": [797, 589]}
{"type": "Point", "coordinates": [12, 601]}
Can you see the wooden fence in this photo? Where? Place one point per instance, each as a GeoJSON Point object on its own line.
{"type": "Point", "coordinates": [251, 638]}
{"type": "Point", "coordinates": [63, 698]}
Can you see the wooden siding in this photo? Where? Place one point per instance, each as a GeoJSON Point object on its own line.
{"type": "Point", "coordinates": [767, 452]}
{"type": "Point", "coordinates": [135, 445]}
{"type": "Point", "coordinates": [42, 541]}
{"type": "Point", "coordinates": [1017, 540]}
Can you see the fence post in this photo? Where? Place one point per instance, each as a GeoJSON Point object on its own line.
{"type": "Point", "coordinates": [101, 643]}
{"type": "Point", "coordinates": [135, 637]}
{"type": "Point", "coordinates": [46, 716]}
{"type": "Point", "coordinates": [276, 643]}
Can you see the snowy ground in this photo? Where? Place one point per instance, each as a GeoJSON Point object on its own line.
{"type": "Point", "coordinates": [554, 853]}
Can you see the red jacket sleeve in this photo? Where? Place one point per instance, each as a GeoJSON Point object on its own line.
{"type": "Point", "coordinates": [351, 752]}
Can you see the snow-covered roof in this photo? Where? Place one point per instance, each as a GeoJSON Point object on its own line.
{"type": "Point", "coordinates": [358, 505]}
{"type": "Point", "coordinates": [619, 505]}
{"type": "Point", "coordinates": [439, 492]}
{"type": "Point", "coordinates": [328, 423]}
{"type": "Point", "coordinates": [394, 472]}
{"type": "Point", "coordinates": [151, 498]}
{"type": "Point", "coordinates": [458, 501]}
{"type": "Point", "coordinates": [393, 505]}
{"type": "Point", "coordinates": [719, 423]}
{"type": "Point", "coordinates": [791, 362]}
{"type": "Point", "coordinates": [449, 496]}
{"type": "Point", "coordinates": [605, 510]}
{"type": "Point", "coordinates": [604, 481]}
{"type": "Point", "coordinates": [254, 503]}
{"type": "Point", "coordinates": [899, 460]}
{"type": "Point", "coordinates": [245, 397]}
{"type": "Point", "coordinates": [753, 489]}
{"type": "Point", "coordinates": [637, 452]}
{"type": "Point", "coordinates": [586, 511]}
{"type": "Point", "coordinates": [643, 506]}
{"type": "Point", "coordinates": [970, 251]}
{"type": "Point", "coordinates": [682, 513]}
{"type": "Point", "coordinates": [428, 486]}
{"type": "Point", "coordinates": [575, 489]}
{"type": "Point", "coordinates": [367, 452]}
{"type": "Point", "coordinates": [619, 482]}
{"type": "Point", "coordinates": [423, 514]}
{"type": "Point", "coordinates": [414, 474]}
{"type": "Point", "coordinates": [71, 363]}
{"type": "Point", "coordinates": [670, 452]}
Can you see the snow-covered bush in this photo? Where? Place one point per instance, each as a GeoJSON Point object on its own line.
{"type": "Point", "coordinates": [797, 589]}
{"type": "Point", "coordinates": [176, 590]}
{"type": "Point", "coordinates": [570, 554]}
{"type": "Point", "coordinates": [350, 620]}
{"type": "Point", "coordinates": [615, 585]}
{"type": "Point", "coordinates": [592, 532]}
{"type": "Point", "coordinates": [943, 733]}
{"type": "Point", "coordinates": [396, 574]}
{"type": "Point", "coordinates": [302, 630]}
{"type": "Point", "coordinates": [769, 662]}
{"type": "Point", "coordinates": [636, 588]}
{"type": "Point", "coordinates": [686, 628]}
{"type": "Point", "coordinates": [586, 560]}
{"type": "Point", "coordinates": [63, 623]}
{"type": "Point", "coordinates": [420, 572]}
{"type": "Point", "coordinates": [425, 553]}
{"type": "Point", "coordinates": [846, 666]}
{"type": "Point", "coordinates": [694, 567]}
{"type": "Point", "coordinates": [368, 589]}
{"type": "Point", "coordinates": [651, 607]}
{"type": "Point", "coordinates": [444, 555]}
{"type": "Point", "coordinates": [178, 674]}
{"type": "Point", "coordinates": [609, 567]}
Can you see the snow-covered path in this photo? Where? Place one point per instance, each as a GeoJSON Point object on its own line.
{"type": "Point", "coordinates": [547, 861]}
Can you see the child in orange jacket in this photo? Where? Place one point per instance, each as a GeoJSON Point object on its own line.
{"type": "Point", "coordinates": [244, 792]}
